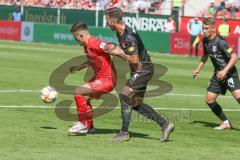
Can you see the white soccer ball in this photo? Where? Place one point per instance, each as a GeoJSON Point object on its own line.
{"type": "Point", "coordinates": [48, 94]}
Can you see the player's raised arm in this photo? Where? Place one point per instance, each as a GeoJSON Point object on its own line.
{"type": "Point", "coordinates": [73, 69]}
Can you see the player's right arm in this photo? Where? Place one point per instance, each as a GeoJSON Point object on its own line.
{"type": "Point", "coordinates": [129, 53]}
{"type": "Point", "coordinates": [73, 69]}
{"type": "Point", "coordinates": [117, 51]}
{"type": "Point", "coordinates": [201, 64]}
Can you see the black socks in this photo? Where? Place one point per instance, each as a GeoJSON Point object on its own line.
{"type": "Point", "coordinates": [217, 110]}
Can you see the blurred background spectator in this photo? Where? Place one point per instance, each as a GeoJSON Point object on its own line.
{"type": "Point", "coordinates": [221, 10]}
{"type": "Point", "coordinates": [195, 29]}
{"type": "Point", "coordinates": [230, 7]}
{"type": "Point", "coordinates": [17, 14]}
{"type": "Point", "coordinates": [224, 28]}
{"type": "Point", "coordinates": [211, 9]}
{"type": "Point", "coordinates": [170, 25]}
{"type": "Point", "coordinates": [144, 6]}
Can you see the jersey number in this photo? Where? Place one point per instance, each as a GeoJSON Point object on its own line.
{"type": "Point", "coordinates": [230, 83]}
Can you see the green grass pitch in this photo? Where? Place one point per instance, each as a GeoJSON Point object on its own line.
{"type": "Point", "coordinates": [32, 133]}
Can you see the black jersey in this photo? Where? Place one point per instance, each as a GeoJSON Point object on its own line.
{"type": "Point", "coordinates": [219, 52]}
{"type": "Point", "coordinates": [131, 44]}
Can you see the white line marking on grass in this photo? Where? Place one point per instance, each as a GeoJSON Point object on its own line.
{"type": "Point", "coordinates": [170, 109]}
{"type": "Point", "coordinates": [40, 49]}
{"type": "Point", "coordinates": [191, 95]}
{"type": "Point", "coordinates": [15, 106]}
{"type": "Point", "coordinates": [19, 91]}
{"type": "Point", "coordinates": [168, 94]}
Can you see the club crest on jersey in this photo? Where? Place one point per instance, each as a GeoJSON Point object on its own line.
{"type": "Point", "coordinates": [130, 49]}
{"type": "Point", "coordinates": [229, 50]}
{"type": "Point", "coordinates": [214, 48]}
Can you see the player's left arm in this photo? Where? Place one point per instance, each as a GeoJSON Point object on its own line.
{"type": "Point", "coordinates": [75, 68]}
{"type": "Point", "coordinates": [228, 51]}
{"type": "Point", "coordinates": [202, 62]}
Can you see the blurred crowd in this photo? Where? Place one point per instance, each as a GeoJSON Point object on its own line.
{"type": "Point", "coordinates": [218, 9]}
{"type": "Point", "coordinates": [145, 6]}
{"type": "Point", "coordinates": [225, 9]}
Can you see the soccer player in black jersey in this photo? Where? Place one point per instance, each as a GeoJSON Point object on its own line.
{"type": "Point", "coordinates": [131, 97]}
{"type": "Point", "coordinates": [225, 74]}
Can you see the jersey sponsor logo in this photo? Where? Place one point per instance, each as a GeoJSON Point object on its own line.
{"type": "Point", "coordinates": [214, 48]}
{"type": "Point", "coordinates": [229, 50]}
{"type": "Point", "coordinates": [103, 46]}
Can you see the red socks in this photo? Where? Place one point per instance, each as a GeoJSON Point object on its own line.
{"type": "Point", "coordinates": [85, 112]}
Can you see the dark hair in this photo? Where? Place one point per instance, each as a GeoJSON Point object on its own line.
{"type": "Point", "coordinates": [209, 21]}
{"type": "Point", "coordinates": [79, 26]}
{"type": "Point", "coordinates": [115, 13]}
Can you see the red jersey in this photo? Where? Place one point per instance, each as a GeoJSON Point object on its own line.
{"type": "Point", "coordinates": [99, 60]}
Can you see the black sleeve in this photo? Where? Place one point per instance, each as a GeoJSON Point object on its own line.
{"type": "Point", "coordinates": [225, 49]}
{"type": "Point", "coordinates": [205, 51]}
{"type": "Point", "coordinates": [131, 45]}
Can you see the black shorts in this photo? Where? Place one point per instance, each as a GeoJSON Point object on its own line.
{"type": "Point", "coordinates": [138, 80]}
{"type": "Point", "coordinates": [220, 86]}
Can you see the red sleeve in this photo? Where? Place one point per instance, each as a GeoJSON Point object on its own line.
{"type": "Point", "coordinates": [101, 46]}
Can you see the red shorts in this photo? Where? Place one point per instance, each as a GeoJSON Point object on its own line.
{"type": "Point", "coordinates": [100, 86]}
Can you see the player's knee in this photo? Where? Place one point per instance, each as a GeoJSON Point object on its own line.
{"type": "Point", "coordinates": [209, 100]}
{"type": "Point", "coordinates": [126, 91]}
{"type": "Point", "coordinates": [125, 104]}
{"type": "Point", "coordinates": [77, 92]}
{"type": "Point", "coordinates": [136, 101]}
{"type": "Point", "coordinates": [82, 90]}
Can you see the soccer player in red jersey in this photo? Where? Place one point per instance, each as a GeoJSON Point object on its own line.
{"type": "Point", "coordinates": [103, 81]}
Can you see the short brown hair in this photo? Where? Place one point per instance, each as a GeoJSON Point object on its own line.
{"type": "Point", "coordinates": [115, 13]}
{"type": "Point", "coordinates": [79, 26]}
{"type": "Point", "coordinates": [209, 21]}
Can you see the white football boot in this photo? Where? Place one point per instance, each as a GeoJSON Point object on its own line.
{"type": "Point", "coordinates": [224, 125]}
{"type": "Point", "coordinates": [90, 130]}
{"type": "Point", "coordinates": [80, 128]}
{"type": "Point", "coordinates": [77, 127]}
